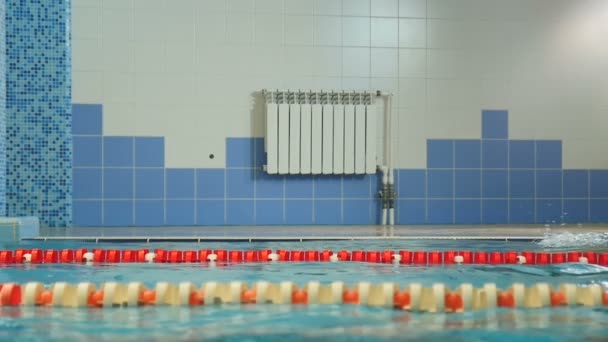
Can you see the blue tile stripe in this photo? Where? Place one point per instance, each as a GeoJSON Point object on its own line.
{"type": "Point", "coordinates": [459, 189]}
{"type": "Point", "coordinates": [2, 109]}
{"type": "Point", "coordinates": [38, 110]}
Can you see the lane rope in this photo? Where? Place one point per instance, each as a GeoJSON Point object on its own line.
{"type": "Point", "coordinates": [401, 257]}
{"type": "Point", "coordinates": [437, 298]}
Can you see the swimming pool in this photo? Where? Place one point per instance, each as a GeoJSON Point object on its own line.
{"type": "Point", "coordinates": [312, 322]}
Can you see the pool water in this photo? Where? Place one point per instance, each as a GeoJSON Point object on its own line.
{"type": "Point", "coordinates": [302, 323]}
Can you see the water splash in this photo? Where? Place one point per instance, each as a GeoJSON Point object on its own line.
{"type": "Point", "coordinates": [573, 240]}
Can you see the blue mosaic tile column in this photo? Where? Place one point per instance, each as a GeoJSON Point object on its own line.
{"type": "Point", "coordinates": [2, 109]}
{"type": "Point", "coordinates": [38, 111]}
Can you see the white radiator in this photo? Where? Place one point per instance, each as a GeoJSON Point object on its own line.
{"type": "Point", "coordinates": [320, 132]}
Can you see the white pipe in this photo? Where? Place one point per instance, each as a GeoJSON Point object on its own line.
{"type": "Point", "coordinates": [391, 170]}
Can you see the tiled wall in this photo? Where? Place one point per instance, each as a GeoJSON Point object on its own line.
{"type": "Point", "coordinates": [122, 181]}
{"type": "Point", "coordinates": [38, 106]}
{"type": "Point", "coordinates": [2, 108]}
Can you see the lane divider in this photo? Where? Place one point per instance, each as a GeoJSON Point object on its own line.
{"type": "Point", "coordinates": [402, 257]}
{"type": "Point", "coordinates": [437, 298]}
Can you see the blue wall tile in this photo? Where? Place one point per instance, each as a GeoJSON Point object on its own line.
{"type": "Point", "coordinates": [576, 183]}
{"type": "Point", "coordinates": [522, 211]}
{"type": "Point", "coordinates": [411, 183]}
{"type": "Point", "coordinates": [118, 183]}
{"type": "Point", "coordinates": [210, 212]}
{"type": "Point", "coordinates": [298, 186]}
{"type": "Point", "coordinates": [328, 211]}
{"type": "Point", "coordinates": [495, 212]}
{"type": "Point", "coordinates": [599, 183]}
{"type": "Point", "coordinates": [467, 212]}
{"type": "Point", "coordinates": [149, 151]}
{"type": "Point", "coordinates": [150, 183]}
{"type": "Point", "coordinates": [467, 183]}
{"type": "Point", "coordinates": [268, 212]}
{"type": "Point", "coordinates": [239, 183]}
{"type": "Point", "coordinates": [521, 154]}
{"type": "Point", "coordinates": [298, 211]}
{"type": "Point", "coordinates": [239, 212]}
{"type": "Point", "coordinates": [260, 155]}
{"type": "Point", "coordinates": [268, 186]}
{"type": "Point", "coordinates": [440, 153]}
{"type": "Point", "coordinates": [87, 183]}
{"type": "Point", "coordinates": [494, 154]}
{"type": "Point", "coordinates": [210, 183]}
{"type": "Point", "coordinates": [328, 186]}
{"type": "Point", "coordinates": [494, 183]}
{"type": "Point", "coordinates": [440, 211]}
{"type": "Point", "coordinates": [356, 186]}
{"type": "Point", "coordinates": [240, 152]}
{"type": "Point", "coordinates": [180, 212]}
{"type": "Point", "coordinates": [87, 213]}
{"type": "Point", "coordinates": [118, 151]}
{"type": "Point", "coordinates": [495, 124]}
{"type": "Point", "coordinates": [86, 119]}
{"type": "Point", "coordinates": [149, 213]}
{"type": "Point", "coordinates": [118, 213]}
{"type": "Point", "coordinates": [440, 183]}
{"type": "Point", "coordinates": [411, 211]}
{"type": "Point", "coordinates": [599, 210]}
{"type": "Point", "coordinates": [576, 211]}
{"type": "Point", "coordinates": [180, 183]}
{"type": "Point", "coordinates": [87, 151]}
{"type": "Point", "coordinates": [549, 154]}
{"type": "Point", "coordinates": [356, 211]}
{"type": "Point", "coordinates": [549, 211]}
{"type": "Point", "coordinates": [522, 184]}
{"type": "Point", "coordinates": [548, 183]}
{"type": "Point", "coordinates": [468, 154]}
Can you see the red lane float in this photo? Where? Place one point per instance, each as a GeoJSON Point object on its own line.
{"type": "Point", "coordinates": [404, 257]}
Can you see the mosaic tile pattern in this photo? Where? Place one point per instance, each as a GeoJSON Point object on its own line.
{"type": "Point", "coordinates": [2, 108]}
{"type": "Point", "coordinates": [122, 181]}
{"type": "Point", "coordinates": [38, 111]}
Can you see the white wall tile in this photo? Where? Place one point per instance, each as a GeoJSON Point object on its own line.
{"type": "Point", "coordinates": [450, 63]}
{"type": "Point", "coordinates": [328, 7]}
{"type": "Point", "coordinates": [268, 61]}
{"type": "Point", "coordinates": [118, 86]}
{"type": "Point", "coordinates": [149, 25]}
{"type": "Point", "coordinates": [299, 60]}
{"type": "Point", "coordinates": [149, 57]}
{"type": "Point", "coordinates": [180, 88]}
{"type": "Point", "coordinates": [86, 54]}
{"type": "Point", "coordinates": [412, 63]}
{"type": "Point", "coordinates": [327, 61]}
{"type": "Point", "coordinates": [412, 8]}
{"type": "Point", "coordinates": [117, 56]}
{"type": "Point", "coordinates": [180, 27]}
{"type": "Point", "coordinates": [298, 30]}
{"type": "Point", "coordinates": [328, 30]}
{"type": "Point", "coordinates": [120, 4]}
{"type": "Point", "coordinates": [87, 86]}
{"type": "Point", "coordinates": [210, 28]}
{"type": "Point", "coordinates": [299, 7]}
{"type": "Point", "coordinates": [86, 23]}
{"type": "Point", "coordinates": [458, 93]}
{"type": "Point", "coordinates": [385, 32]}
{"type": "Point", "coordinates": [448, 34]}
{"type": "Point", "coordinates": [268, 29]}
{"type": "Point", "coordinates": [240, 5]}
{"type": "Point", "coordinates": [179, 57]}
{"type": "Point", "coordinates": [117, 25]}
{"type": "Point", "coordinates": [449, 8]}
{"type": "Point", "coordinates": [412, 92]}
{"type": "Point", "coordinates": [273, 6]}
{"type": "Point", "coordinates": [356, 8]}
{"type": "Point", "coordinates": [356, 83]}
{"type": "Point", "coordinates": [210, 5]}
{"type": "Point", "coordinates": [453, 123]}
{"type": "Point", "coordinates": [356, 62]}
{"type": "Point", "coordinates": [384, 8]}
{"type": "Point", "coordinates": [119, 118]}
{"type": "Point", "coordinates": [412, 138]}
{"type": "Point", "coordinates": [150, 88]}
{"type": "Point", "coordinates": [594, 156]}
{"type": "Point", "coordinates": [239, 27]}
{"type": "Point", "coordinates": [148, 4]}
{"type": "Point", "coordinates": [412, 33]}
{"type": "Point", "coordinates": [356, 31]}
{"type": "Point", "coordinates": [385, 62]}
{"type": "Point", "coordinates": [86, 3]}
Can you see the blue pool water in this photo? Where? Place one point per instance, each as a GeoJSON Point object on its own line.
{"type": "Point", "coordinates": [298, 323]}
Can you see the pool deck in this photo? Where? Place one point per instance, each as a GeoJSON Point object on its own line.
{"type": "Point", "coordinates": [308, 233]}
